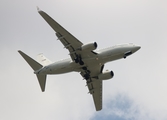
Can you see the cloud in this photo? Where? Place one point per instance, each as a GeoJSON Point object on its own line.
{"type": "Point", "coordinates": [123, 107]}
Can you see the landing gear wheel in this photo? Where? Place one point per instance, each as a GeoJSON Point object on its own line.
{"type": "Point", "coordinates": [76, 60]}
{"type": "Point", "coordinates": [86, 76]}
{"type": "Point", "coordinates": [81, 62]}
{"type": "Point", "coordinates": [84, 68]}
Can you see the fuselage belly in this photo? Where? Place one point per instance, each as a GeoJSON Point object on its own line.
{"type": "Point", "coordinates": [103, 56]}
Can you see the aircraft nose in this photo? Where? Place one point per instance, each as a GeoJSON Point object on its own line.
{"type": "Point", "coordinates": [136, 48]}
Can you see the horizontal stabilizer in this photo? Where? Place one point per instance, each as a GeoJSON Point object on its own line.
{"type": "Point", "coordinates": [42, 81]}
{"type": "Point", "coordinates": [34, 64]}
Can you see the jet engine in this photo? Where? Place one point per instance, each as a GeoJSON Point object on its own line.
{"type": "Point", "coordinates": [89, 46]}
{"type": "Point", "coordinates": [106, 75]}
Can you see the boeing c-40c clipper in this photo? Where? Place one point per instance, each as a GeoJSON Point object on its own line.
{"type": "Point", "coordinates": [83, 59]}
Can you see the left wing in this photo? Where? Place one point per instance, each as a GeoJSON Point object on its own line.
{"type": "Point", "coordinates": [66, 38]}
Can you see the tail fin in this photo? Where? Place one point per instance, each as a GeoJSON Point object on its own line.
{"type": "Point", "coordinates": [35, 66]}
{"type": "Point", "coordinates": [43, 60]}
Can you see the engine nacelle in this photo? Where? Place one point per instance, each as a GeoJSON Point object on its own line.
{"type": "Point", "coordinates": [89, 46]}
{"type": "Point", "coordinates": [106, 75]}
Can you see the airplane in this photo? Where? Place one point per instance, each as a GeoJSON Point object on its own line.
{"type": "Point", "coordinates": [85, 59]}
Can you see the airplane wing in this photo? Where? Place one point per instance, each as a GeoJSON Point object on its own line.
{"type": "Point", "coordinates": [66, 38]}
{"type": "Point", "coordinates": [95, 85]}
{"type": "Point", "coordinates": [73, 44]}
{"type": "Point", "coordinates": [95, 88]}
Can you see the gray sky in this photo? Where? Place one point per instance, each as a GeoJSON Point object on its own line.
{"type": "Point", "coordinates": [138, 90]}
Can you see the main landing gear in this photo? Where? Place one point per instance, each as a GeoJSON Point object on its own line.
{"type": "Point", "coordinates": [78, 59]}
{"type": "Point", "coordinates": [85, 74]}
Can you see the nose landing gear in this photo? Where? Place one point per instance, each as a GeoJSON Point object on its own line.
{"type": "Point", "coordinates": [127, 54]}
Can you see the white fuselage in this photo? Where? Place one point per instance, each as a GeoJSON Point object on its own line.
{"type": "Point", "coordinates": [103, 56]}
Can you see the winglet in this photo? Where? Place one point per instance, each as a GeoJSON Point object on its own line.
{"type": "Point", "coordinates": [38, 9]}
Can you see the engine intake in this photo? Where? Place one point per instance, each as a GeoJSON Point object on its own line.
{"type": "Point", "coordinates": [106, 75]}
{"type": "Point", "coordinates": [89, 46]}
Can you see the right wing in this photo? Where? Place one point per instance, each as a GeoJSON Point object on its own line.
{"type": "Point", "coordinates": [94, 84]}
{"type": "Point", "coordinates": [95, 88]}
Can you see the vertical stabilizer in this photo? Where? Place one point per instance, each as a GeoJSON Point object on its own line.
{"type": "Point", "coordinates": [43, 60]}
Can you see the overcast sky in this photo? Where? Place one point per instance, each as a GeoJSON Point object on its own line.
{"type": "Point", "coordinates": [138, 90]}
